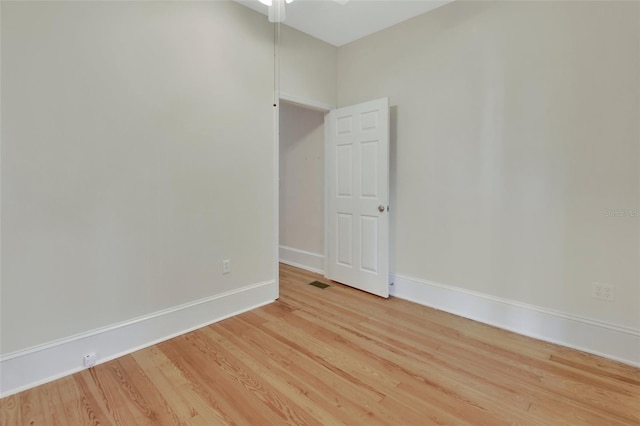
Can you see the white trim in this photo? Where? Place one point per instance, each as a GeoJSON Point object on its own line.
{"type": "Point", "coordinates": [597, 337]}
{"type": "Point", "coordinates": [303, 259]}
{"type": "Point", "coordinates": [44, 363]}
{"type": "Point", "coordinates": [276, 160]}
{"type": "Point", "coordinates": [307, 103]}
{"type": "Point", "coordinates": [327, 236]}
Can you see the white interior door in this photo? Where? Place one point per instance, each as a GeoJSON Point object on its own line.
{"type": "Point", "coordinates": [357, 165]}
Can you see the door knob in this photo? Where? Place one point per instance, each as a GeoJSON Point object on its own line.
{"type": "Point", "coordinates": [381, 208]}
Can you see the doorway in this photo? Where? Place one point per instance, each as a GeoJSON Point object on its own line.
{"type": "Point", "coordinates": [301, 186]}
{"type": "Point", "coordinates": [334, 192]}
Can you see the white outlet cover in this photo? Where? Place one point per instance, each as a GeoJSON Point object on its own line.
{"type": "Point", "coordinates": [90, 360]}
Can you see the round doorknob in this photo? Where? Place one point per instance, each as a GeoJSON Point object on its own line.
{"type": "Point", "coordinates": [380, 208]}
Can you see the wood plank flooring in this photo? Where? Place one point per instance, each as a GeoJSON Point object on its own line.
{"type": "Point", "coordinates": [340, 356]}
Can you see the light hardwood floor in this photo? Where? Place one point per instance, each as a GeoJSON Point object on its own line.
{"type": "Point", "coordinates": [340, 356]}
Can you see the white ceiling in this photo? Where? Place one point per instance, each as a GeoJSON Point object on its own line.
{"type": "Point", "coordinates": [341, 24]}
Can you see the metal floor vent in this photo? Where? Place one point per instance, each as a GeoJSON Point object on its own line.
{"type": "Point", "coordinates": [319, 284]}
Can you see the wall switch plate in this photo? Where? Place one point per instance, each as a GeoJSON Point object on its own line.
{"type": "Point", "coordinates": [226, 266]}
{"type": "Point", "coordinates": [90, 360]}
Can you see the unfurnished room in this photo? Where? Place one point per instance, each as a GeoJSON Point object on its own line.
{"type": "Point", "coordinates": [319, 212]}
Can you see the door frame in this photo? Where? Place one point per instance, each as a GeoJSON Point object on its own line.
{"type": "Point", "coordinates": [324, 108]}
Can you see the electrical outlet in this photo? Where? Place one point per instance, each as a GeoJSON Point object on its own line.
{"type": "Point", "coordinates": [226, 266]}
{"type": "Point", "coordinates": [603, 292]}
{"type": "Point", "coordinates": [90, 360]}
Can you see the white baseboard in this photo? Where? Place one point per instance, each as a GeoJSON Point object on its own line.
{"type": "Point", "coordinates": [32, 367]}
{"type": "Point", "coordinates": [596, 337]}
{"type": "Point", "coordinates": [313, 262]}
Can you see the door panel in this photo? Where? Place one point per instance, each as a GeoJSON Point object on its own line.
{"type": "Point", "coordinates": [369, 169]}
{"type": "Point", "coordinates": [345, 171]}
{"type": "Point", "coordinates": [357, 167]}
{"type": "Point", "coordinates": [369, 243]}
{"type": "Point", "coordinates": [343, 238]}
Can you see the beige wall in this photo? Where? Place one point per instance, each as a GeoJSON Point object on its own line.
{"type": "Point", "coordinates": [308, 67]}
{"type": "Point", "coordinates": [308, 75]}
{"type": "Point", "coordinates": [516, 130]}
{"type": "Point", "coordinates": [134, 138]}
{"type": "Point", "coordinates": [301, 178]}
